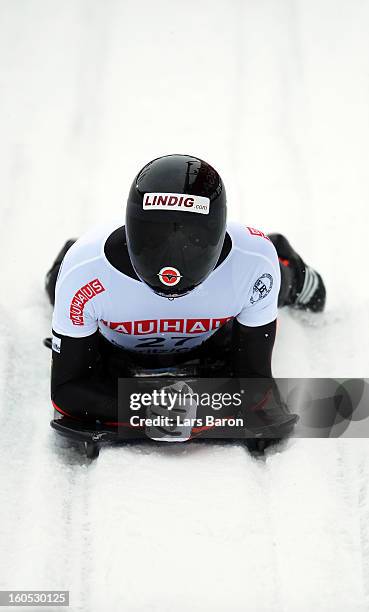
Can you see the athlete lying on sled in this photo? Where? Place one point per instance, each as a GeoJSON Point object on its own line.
{"type": "Point", "coordinates": [176, 283]}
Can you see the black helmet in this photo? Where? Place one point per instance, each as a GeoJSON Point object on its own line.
{"type": "Point", "coordinates": [175, 223]}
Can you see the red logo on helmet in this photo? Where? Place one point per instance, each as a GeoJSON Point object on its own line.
{"type": "Point", "coordinates": [169, 276]}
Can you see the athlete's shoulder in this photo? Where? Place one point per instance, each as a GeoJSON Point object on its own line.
{"type": "Point", "coordinates": [252, 242]}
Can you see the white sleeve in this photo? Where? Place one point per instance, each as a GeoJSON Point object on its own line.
{"type": "Point", "coordinates": [74, 313]}
{"type": "Point", "coordinates": [261, 304]}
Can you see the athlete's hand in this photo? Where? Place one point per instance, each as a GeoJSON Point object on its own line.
{"type": "Point", "coordinates": [171, 414]}
{"type": "Point", "coordinates": [265, 413]}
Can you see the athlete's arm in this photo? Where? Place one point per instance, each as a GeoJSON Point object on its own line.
{"type": "Point", "coordinates": [266, 414]}
{"type": "Point", "coordinates": [78, 385]}
{"type": "Point", "coordinates": [252, 349]}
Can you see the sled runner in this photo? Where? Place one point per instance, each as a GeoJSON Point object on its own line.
{"type": "Point", "coordinates": [92, 439]}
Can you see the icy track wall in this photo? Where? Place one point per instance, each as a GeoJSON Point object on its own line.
{"type": "Point", "coordinates": [275, 95]}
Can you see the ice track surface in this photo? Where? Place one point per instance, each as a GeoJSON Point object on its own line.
{"type": "Point", "coordinates": [275, 95]}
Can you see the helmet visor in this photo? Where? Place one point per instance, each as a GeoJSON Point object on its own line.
{"type": "Point", "coordinates": [174, 256]}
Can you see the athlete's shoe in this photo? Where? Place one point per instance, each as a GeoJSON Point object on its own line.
{"type": "Point", "coordinates": [313, 293]}
{"type": "Point", "coordinates": [52, 275]}
{"type": "Point", "coordinates": [301, 287]}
